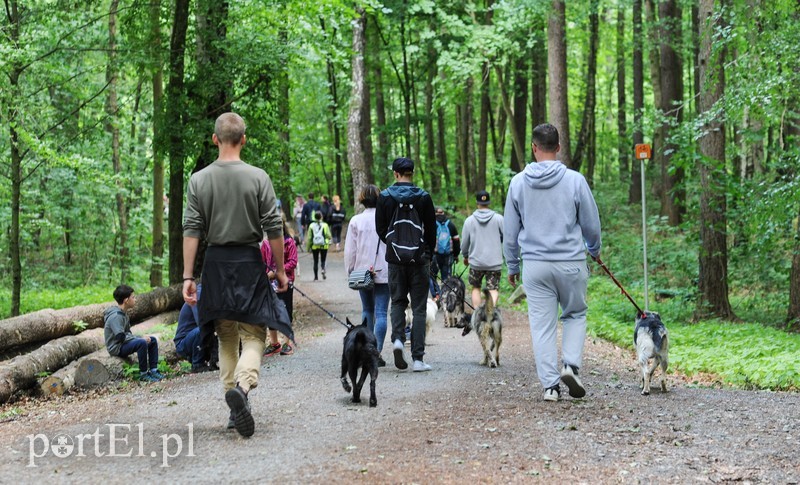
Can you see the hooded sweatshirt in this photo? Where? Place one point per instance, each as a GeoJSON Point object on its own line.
{"type": "Point", "coordinates": [407, 192]}
{"type": "Point", "coordinates": [482, 240]}
{"type": "Point", "coordinates": [550, 215]}
{"type": "Point", "coordinates": [117, 329]}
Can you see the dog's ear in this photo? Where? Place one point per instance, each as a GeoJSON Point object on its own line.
{"type": "Point", "coordinates": [349, 323]}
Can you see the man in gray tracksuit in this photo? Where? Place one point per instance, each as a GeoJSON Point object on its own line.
{"type": "Point", "coordinates": [551, 220]}
{"type": "Point", "coordinates": [482, 245]}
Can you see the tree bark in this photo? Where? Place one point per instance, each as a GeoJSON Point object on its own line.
{"type": "Point", "coordinates": [112, 127]}
{"type": "Point", "coordinates": [518, 144]}
{"type": "Point", "coordinates": [380, 104]}
{"type": "Point", "coordinates": [584, 144]}
{"type": "Point", "coordinates": [16, 162]}
{"type": "Point", "coordinates": [50, 324]}
{"type": "Point", "coordinates": [469, 139]}
{"type": "Point", "coordinates": [282, 81]}
{"type": "Point", "coordinates": [538, 81]}
{"type": "Point", "coordinates": [157, 251]}
{"type": "Point", "coordinates": [333, 124]}
{"type": "Point", "coordinates": [557, 61]}
{"type": "Point", "coordinates": [174, 119]}
{"type": "Point", "coordinates": [483, 127]}
{"type": "Point", "coordinates": [441, 147]}
{"type": "Point", "coordinates": [635, 188]}
{"type": "Point", "coordinates": [655, 81]}
{"type": "Point", "coordinates": [430, 137]}
{"type": "Point", "coordinates": [521, 68]}
{"type": "Point", "coordinates": [355, 155]}
{"type": "Point", "coordinates": [713, 258]}
{"type": "Point", "coordinates": [672, 107]}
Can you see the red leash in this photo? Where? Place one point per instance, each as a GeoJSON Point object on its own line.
{"type": "Point", "coordinates": [603, 265]}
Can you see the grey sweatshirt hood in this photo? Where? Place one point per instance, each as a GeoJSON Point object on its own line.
{"type": "Point", "coordinates": [545, 174]}
{"type": "Point", "coordinates": [483, 215]}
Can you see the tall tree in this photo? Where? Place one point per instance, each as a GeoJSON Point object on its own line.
{"type": "Point", "coordinates": [713, 259]}
{"type": "Point", "coordinates": [157, 69]}
{"type": "Point", "coordinates": [672, 107]}
{"type": "Point", "coordinates": [112, 126]}
{"type": "Point", "coordinates": [175, 119]}
{"type": "Point", "coordinates": [16, 69]}
{"type": "Point", "coordinates": [333, 121]}
{"type": "Point", "coordinates": [355, 153]}
{"type": "Point", "coordinates": [635, 187]}
{"type": "Point", "coordinates": [521, 68]}
{"type": "Point", "coordinates": [586, 136]}
{"type": "Point", "coordinates": [557, 82]}
{"type": "Point", "coordinates": [623, 150]}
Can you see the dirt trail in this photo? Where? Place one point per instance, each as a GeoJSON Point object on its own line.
{"type": "Point", "coordinates": [459, 422]}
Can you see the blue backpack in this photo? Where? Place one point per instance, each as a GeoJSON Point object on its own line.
{"type": "Point", "coordinates": [444, 243]}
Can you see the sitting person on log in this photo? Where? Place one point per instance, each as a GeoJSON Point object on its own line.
{"type": "Point", "coordinates": [121, 342]}
{"type": "Point", "coordinates": [187, 340]}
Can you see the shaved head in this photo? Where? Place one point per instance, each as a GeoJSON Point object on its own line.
{"type": "Point", "coordinates": [229, 128]}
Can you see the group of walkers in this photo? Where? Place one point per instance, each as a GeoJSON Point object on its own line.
{"type": "Point", "coordinates": [550, 221]}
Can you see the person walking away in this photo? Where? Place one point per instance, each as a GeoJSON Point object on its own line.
{"type": "Point", "coordinates": [406, 222]}
{"type": "Point", "coordinates": [561, 222]}
{"type": "Point", "coordinates": [297, 214]}
{"type": "Point", "coordinates": [309, 209]}
{"type": "Point", "coordinates": [326, 209]}
{"type": "Point", "coordinates": [448, 244]}
{"type": "Point", "coordinates": [363, 249]}
{"type": "Point", "coordinates": [318, 238]}
{"type": "Point", "coordinates": [337, 216]}
{"type": "Point", "coordinates": [287, 297]}
{"type": "Point", "coordinates": [482, 245]}
{"type": "Point", "coordinates": [232, 204]}
{"type": "Point", "coordinates": [120, 341]}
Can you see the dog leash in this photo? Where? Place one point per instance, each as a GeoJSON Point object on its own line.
{"type": "Point", "coordinates": [349, 327]}
{"type": "Point", "coordinates": [451, 288]}
{"type": "Point", "coordinates": [603, 265]}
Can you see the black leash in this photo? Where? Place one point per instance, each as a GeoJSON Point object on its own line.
{"type": "Point", "coordinates": [603, 265]}
{"type": "Point", "coordinates": [349, 327]}
{"type": "Point", "coordinates": [453, 289]}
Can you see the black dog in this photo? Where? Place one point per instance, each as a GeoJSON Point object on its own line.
{"type": "Point", "coordinates": [453, 290]}
{"type": "Point", "coordinates": [360, 351]}
{"type": "Point", "coordinates": [652, 342]}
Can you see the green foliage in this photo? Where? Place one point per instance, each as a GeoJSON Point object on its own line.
{"type": "Point", "coordinates": [79, 326]}
{"type": "Point", "coordinates": [56, 297]}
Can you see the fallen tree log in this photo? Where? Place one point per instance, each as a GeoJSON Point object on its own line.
{"type": "Point", "coordinates": [63, 379]}
{"type": "Point", "coordinates": [20, 372]}
{"type": "Point", "coordinates": [45, 325]}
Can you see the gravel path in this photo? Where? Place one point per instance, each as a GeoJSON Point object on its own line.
{"type": "Point", "coordinates": [459, 422]}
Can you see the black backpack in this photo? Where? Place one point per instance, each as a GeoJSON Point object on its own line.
{"type": "Point", "coordinates": [405, 243]}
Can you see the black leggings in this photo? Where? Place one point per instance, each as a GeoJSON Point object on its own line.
{"type": "Point", "coordinates": [317, 253]}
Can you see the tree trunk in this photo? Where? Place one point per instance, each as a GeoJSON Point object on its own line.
{"type": "Point", "coordinates": [430, 138]}
{"type": "Point", "coordinates": [175, 119]}
{"type": "Point", "coordinates": [518, 144]}
{"type": "Point", "coordinates": [483, 127]}
{"type": "Point", "coordinates": [794, 279]}
{"type": "Point", "coordinates": [469, 139]}
{"type": "Point", "coordinates": [672, 107]}
{"type": "Point", "coordinates": [64, 379]}
{"type": "Point", "coordinates": [538, 82]}
{"type": "Point", "coordinates": [584, 145]}
{"type": "Point", "coordinates": [713, 258]}
{"type": "Point", "coordinates": [49, 324]}
{"type": "Point", "coordinates": [441, 147]}
{"type": "Point", "coordinates": [333, 124]}
{"type": "Point", "coordinates": [112, 127]}
{"type": "Point", "coordinates": [655, 81]}
{"type": "Point", "coordinates": [355, 155]}
{"type": "Point", "coordinates": [405, 87]}
{"type": "Point", "coordinates": [16, 163]}
{"type": "Point", "coordinates": [20, 372]}
{"type": "Point", "coordinates": [380, 105]}
{"type": "Point", "coordinates": [157, 252]}
{"type": "Point", "coordinates": [99, 368]}
{"type": "Point", "coordinates": [520, 107]}
{"type": "Point", "coordinates": [282, 81]}
{"type": "Point", "coordinates": [557, 61]}
{"type": "Point", "coordinates": [635, 188]}
{"type": "Point", "coordinates": [623, 146]}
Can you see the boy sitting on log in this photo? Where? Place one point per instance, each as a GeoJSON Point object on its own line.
{"type": "Point", "coordinates": [121, 342]}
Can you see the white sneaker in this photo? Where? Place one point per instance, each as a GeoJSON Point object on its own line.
{"type": "Point", "coordinates": [552, 393]}
{"type": "Point", "coordinates": [399, 360]}
{"type": "Point", "coordinates": [420, 366]}
{"type": "Point", "coordinates": [569, 376]}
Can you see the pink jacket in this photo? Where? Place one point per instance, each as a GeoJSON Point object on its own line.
{"type": "Point", "coordinates": [360, 244]}
{"type": "Point", "coordinates": [289, 257]}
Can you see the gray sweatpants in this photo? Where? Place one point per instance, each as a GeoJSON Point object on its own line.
{"type": "Point", "coordinates": [547, 285]}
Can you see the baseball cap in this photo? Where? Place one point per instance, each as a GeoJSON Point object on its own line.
{"type": "Point", "coordinates": [402, 165]}
{"type": "Point", "coordinates": [482, 197]}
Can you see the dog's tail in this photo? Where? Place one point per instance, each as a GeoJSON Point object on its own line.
{"type": "Point", "coordinates": [489, 304]}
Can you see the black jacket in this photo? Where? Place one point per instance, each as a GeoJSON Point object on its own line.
{"type": "Point", "coordinates": [407, 192]}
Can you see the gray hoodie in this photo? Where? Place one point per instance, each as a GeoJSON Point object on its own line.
{"type": "Point", "coordinates": [482, 240]}
{"type": "Point", "coordinates": [117, 329]}
{"type": "Point", "coordinates": [550, 215]}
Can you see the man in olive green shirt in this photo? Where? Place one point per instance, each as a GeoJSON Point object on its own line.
{"type": "Point", "coordinates": [231, 204]}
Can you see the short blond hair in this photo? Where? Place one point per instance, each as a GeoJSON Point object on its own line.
{"type": "Point", "coordinates": [229, 128]}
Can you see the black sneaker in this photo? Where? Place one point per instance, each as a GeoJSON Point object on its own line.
{"type": "Point", "coordinates": [569, 376]}
{"type": "Point", "coordinates": [240, 409]}
{"type": "Point", "coordinates": [231, 421]}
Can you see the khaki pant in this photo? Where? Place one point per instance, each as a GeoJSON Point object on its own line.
{"type": "Point", "coordinates": [234, 368]}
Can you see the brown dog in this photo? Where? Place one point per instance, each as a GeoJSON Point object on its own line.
{"type": "Point", "coordinates": [488, 324]}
